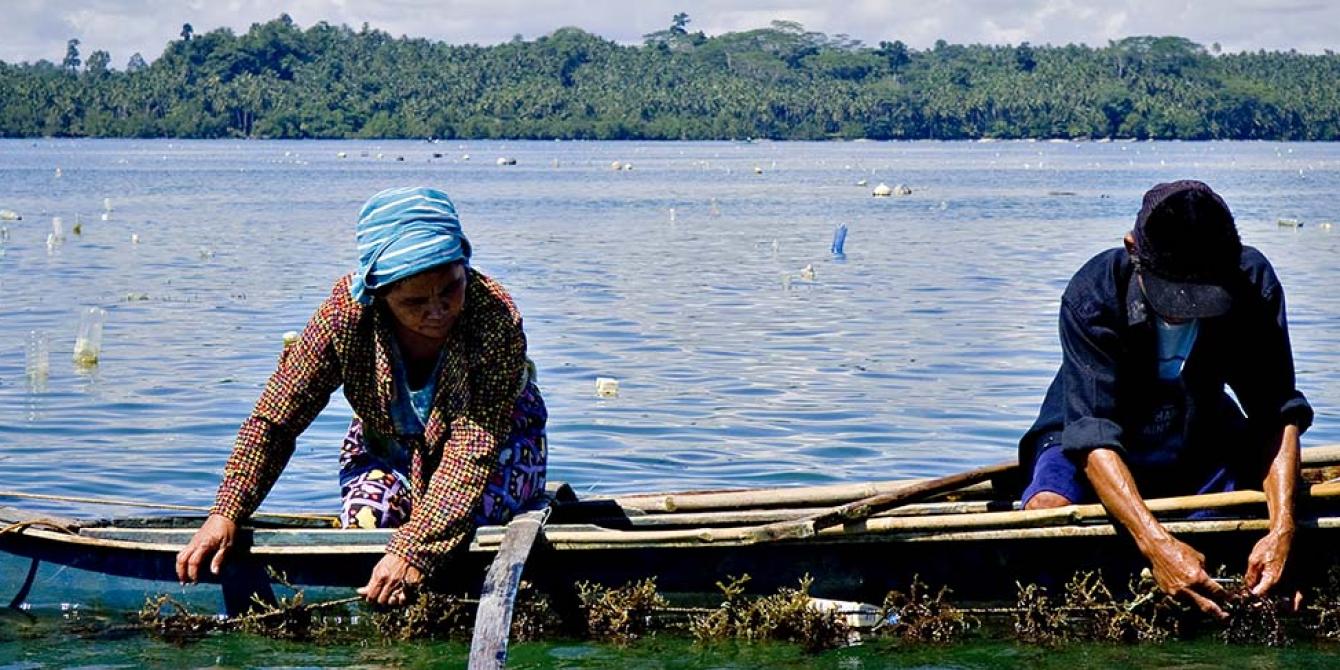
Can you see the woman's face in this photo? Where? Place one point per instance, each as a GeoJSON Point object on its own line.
{"type": "Point", "coordinates": [428, 303]}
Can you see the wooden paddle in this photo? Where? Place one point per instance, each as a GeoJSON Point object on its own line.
{"type": "Point", "coordinates": [493, 619]}
{"type": "Point", "coordinates": [863, 508]}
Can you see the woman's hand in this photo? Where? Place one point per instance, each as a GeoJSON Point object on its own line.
{"type": "Point", "coordinates": [214, 539]}
{"type": "Point", "coordinates": [387, 584]}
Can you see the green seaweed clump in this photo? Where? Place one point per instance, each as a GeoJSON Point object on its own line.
{"type": "Point", "coordinates": [533, 615]}
{"type": "Point", "coordinates": [1148, 616]}
{"type": "Point", "coordinates": [1037, 620]}
{"type": "Point", "coordinates": [172, 620]}
{"type": "Point", "coordinates": [426, 615]}
{"type": "Point", "coordinates": [619, 615]}
{"type": "Point", "coordinates": [787, 615]}
{"type": "Point", "coordinates": [1325, 607]}
{"type": "Point", "coordinates": [1254, 620]}
{"type": "Point", "coordinates": [919, 617]}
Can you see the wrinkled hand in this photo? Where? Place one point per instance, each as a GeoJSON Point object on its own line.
{"type": "Point", "coordinates": [1180, 573]}
{"type": "Point", "coordinates": [1266, 564]}
{"type": "Point", "coordinates": [214, 539]}
{"type": "Point", "coordinates": [389, 579]}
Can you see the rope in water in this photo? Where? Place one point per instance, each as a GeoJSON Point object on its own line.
{"type": "Point", "coordinates": [113, 502]}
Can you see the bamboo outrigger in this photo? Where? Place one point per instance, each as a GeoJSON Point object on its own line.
{"type": "Point", "coordinates": [968, 537]}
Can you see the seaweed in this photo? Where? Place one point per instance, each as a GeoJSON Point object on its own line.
{"type": "Point", "coordinates": [619, 615]}
{"type": "Point", "coordinates": [425, 615]}
{"type": "Point", "coordinates": [787, 615]}
{"type": "Point", "coordinates": [919, 617]}
{"type": "Point", "coordinates": [174, 621]}
{"type": "Point", "coordinates": [1254, 620]}
{"type": "Point", "coordinates": [1037, 620]}
{"type": "Point", "coordinates": [1096, 614]}
{"type": "Point", "coordinates": [533, 616]}
{"type": "Point", "coordinates": [1324, 609]}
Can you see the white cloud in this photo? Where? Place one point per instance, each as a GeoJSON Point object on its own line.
{"type": "Point", "coordinates": [35, 29]}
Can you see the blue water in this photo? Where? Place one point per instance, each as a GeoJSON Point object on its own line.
{"type": "Point", "coordinates": [923, 352]}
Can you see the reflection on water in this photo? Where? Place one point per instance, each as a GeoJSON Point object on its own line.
{"type": "Point", "coordinates": [924, 350]}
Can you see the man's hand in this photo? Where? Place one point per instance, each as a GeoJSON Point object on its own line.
{"type": "Point", "coordinates": [214, 539]}
{"type": "Point", "coordinates": [389, 578]}
{"type": "Point", "coordinates": [1266, 563]}
{"type": "Point", "coordinates": [1180, 572]}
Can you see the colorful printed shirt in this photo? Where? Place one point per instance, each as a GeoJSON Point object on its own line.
{"type": "Point", "coordinates": [348, 344]}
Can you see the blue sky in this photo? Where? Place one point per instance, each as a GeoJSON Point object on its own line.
{"type": "Point", "coordinates": [35, 29]}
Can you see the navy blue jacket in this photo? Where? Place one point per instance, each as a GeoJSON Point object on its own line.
{"type": "Point", "coordinates": [1108, 393]}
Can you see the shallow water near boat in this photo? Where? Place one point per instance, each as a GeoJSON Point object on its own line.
{"type": "Point", "coordinates": [923, 351]}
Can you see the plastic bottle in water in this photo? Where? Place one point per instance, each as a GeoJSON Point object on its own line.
{"type": "Point", "coordinates": [38, 360]}
{"type": "Point", "coordinates": [88, 343]}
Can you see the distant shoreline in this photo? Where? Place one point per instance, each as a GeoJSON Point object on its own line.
{"type": "Point", "coordinates": [280, 81]}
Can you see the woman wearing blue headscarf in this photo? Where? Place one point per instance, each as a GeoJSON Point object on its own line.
{"type": "Point", "coordinates": [449, 425]}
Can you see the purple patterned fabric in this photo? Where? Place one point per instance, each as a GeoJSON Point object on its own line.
{"type": "Point", "coordinates": [374, 482]}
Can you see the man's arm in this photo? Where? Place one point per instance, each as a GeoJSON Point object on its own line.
{"type": "Point", "coordinates": [1266, 563]}
{"type": "Point", "coordinates": [1178, 568]}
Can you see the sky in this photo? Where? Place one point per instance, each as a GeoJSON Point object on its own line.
{"type": "Point", "coordinates": [36, 29]}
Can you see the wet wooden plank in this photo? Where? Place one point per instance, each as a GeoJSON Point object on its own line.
{"type": "Point", "coordinates": [493, 620]}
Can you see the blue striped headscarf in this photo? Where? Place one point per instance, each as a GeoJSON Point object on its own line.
{"type": "Point", "coordinates": [402, 232]}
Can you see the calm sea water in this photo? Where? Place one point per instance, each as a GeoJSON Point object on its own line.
{"type": "Point", "coordinates": [924, 351]}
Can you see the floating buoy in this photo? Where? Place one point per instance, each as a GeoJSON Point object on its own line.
{"type": "Point", "coordinates": [106, 216]}
{"type": "Point", "coordinates": [1289, 223]}
{"type": "Point", "coordinates": [465, 157]}
{"type": "Point", "coordinates": [899, 189]}
{"type": "Point", "coordinates": [863, 182]}
{"type": "Point", "coordinates": [607, 387]}
{"type": "Point", "coordinates": [627, 167]}
{"type": "Point", "coordinates": [10, 215]}
{"type": "Point", "coordinates": [58, 173]}
{"type": "Point", "coordinates": [616, 165]}
{"type": "Point", "coordinates": [504, 160]}
{"type": "Point", "coordinates": [807, 272]}
{"type": "Point", "coordinates": [882, 191]}
{"type": "Point", "coordinates": [107, 204]}
{"type": "Point", "coordinates": [341, 155]}
{"type": "Point", "coordinates": [1326, 225]}
{"type": "Point", "coordinates": [758, 169]}
{"type": "Point", "coordinates": [672, 215]}
{"type": "Point", "coordinates": [134, 238]}
{"type": "Point", "coordinates": [205, 253]}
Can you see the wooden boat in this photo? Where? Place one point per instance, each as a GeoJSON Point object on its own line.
{"type": "Point", "coordinates": [971, 539]}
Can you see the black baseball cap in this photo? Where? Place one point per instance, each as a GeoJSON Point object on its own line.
{"type": "Point", "coordinates": [1187, 250]}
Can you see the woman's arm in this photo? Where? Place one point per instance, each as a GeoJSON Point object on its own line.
{"type": "Point", "coordinates": [298, 390]}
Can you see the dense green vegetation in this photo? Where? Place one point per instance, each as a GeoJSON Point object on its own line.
{"type": "Point", "coordinates": [782, 81]}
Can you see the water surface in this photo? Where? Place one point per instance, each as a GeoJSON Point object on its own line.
{"type": "Point", "coordinates": [924, 351]}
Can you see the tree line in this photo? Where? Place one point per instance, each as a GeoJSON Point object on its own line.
{"type": "Point", "coordinates": [784, 82]}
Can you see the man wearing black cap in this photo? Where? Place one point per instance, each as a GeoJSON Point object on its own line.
{"type": "Point", "coordinates": [1150, 336]}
